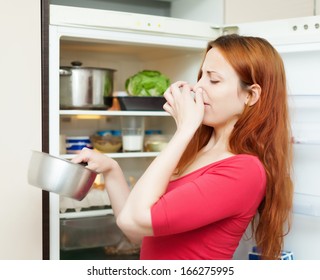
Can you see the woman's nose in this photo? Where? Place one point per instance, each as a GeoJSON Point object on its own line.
{"type": "Point", "coordinates": [196, 86]}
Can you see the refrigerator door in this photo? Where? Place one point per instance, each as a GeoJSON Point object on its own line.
{"type": "Point", "coordinates": [298, 42]}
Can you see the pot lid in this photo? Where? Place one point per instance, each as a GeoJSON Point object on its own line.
{"type": "Point", "coordinates": [78, 65]}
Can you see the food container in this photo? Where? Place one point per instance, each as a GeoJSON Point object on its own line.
{"type": "Point", "coordinates": [107, 141]}
{"type": "Point", "coordinates": [75, 144]}
{"type": "Point", "coordinates": [155, 142]}
{"type": "Point", "coordinates": [60, 176]}
{"type": "Point", "coordinates": [141, 103]}
{"type": "Point", "coordinates": [85, 87]}
{"type": "Point", "coordinates": [284, 256]}
{"type": "Point", "coordinates": [89, 232]}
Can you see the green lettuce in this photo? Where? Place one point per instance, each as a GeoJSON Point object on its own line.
{"type": "Point", "coordinates": [147, 83]}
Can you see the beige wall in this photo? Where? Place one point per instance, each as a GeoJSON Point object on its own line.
{"type": "Point", "coordinates": [20, 123]}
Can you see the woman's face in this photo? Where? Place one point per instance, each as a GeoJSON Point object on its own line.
{"type": "Point", "coordinates": [223, 97]}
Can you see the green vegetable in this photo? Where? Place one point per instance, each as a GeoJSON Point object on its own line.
{"type": "Point", "coordinates": [147, 83]}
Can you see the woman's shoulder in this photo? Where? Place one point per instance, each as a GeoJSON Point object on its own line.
{"type": "Point", "coordinates": [232, 165]}
{"type": "Point", "coordinates": [241, 167]}
{"type": "Point", "coordinates": [240, 161]}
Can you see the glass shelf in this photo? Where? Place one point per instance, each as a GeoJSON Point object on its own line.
{"type": "Point", "coordinates": [111, 113]}
{"type": "Point", "coordinates": [85, 214]}
{"type": "Point", "coordinates": [120, 155]}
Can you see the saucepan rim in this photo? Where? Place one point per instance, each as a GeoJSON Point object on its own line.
{"type": "Point", "coordinates": [65, 160]}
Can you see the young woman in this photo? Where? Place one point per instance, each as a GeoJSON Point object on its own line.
{"type": "Point", "coordinates": [228, 163]}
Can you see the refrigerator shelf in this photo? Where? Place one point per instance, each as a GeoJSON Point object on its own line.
{"type": "Point", "coordinates": [120, 155]}
{"type": "Point", "coordinates": [85, 214]}
{"type": "Point", "coordinates": [107, 113]}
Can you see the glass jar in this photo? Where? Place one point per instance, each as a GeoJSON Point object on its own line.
{"type": "Point", "coordinates": [155, 141]}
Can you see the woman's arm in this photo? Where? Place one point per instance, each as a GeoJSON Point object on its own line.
{"type": "Point", "coordinates": [135, 217]}
{"type": "Point", "coordinates": [115, 182]}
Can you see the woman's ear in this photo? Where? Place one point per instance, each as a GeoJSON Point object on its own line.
{"type": "Point", "coordinates": [253, 95]}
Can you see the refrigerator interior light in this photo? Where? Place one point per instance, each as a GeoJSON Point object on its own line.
{"type": "Point", "coordinates": [88, 117]}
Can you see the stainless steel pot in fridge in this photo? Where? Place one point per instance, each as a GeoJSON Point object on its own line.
{"type": "Point", "coordinates": [85, 87]}
{"type": "Point", "coordinates": [60, 176]}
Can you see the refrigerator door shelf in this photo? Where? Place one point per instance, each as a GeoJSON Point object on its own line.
{"type": "Point", "coordinates": [302, 141]}
{"type": "Point", "coordinates": [306, 204]}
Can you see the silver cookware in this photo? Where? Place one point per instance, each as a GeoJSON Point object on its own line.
{"type": "Point", "coordinates": [85, 87]}
{"type": "Point", "coordinates": [60, 176]}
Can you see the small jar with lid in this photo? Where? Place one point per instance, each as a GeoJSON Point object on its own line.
{"type": "Point", "coordinates": [155, 141]}
{"type": "Point", "coordinates": [76, 143]}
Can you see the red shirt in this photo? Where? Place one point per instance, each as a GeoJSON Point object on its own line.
{"type": "Point", "coordinates": [204, 214]}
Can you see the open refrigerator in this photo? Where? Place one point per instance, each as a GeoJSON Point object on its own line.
{"type": "Point", "coordinates": [132, 42]}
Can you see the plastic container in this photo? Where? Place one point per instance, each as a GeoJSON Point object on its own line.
{"type": "Point", "coordinates": [156, 143]}
{"type": "Point", "coordinates": [75, 144]}
{"type": "Point", "coordinates": [89, 232]}
{"type": "Point", "coordinates": [107, 141]}
{"type": "Point", "coordinates": [149, 132]}
{"type": "Point", "coordinates": [141, 103]}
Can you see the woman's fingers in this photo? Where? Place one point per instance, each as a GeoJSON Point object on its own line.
{"type": "Point", "coordinates": [173, 91]}
{"type": "Point", "coordinates": [95, 160]}
{"type": "Point", "coordinates": [83, 156]}
{"type": "Point", "coordinates": [167, 108]}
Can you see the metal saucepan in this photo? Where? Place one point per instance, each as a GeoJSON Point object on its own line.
{"type": "Point", "coordinates": [60, 176]}
{"type": "Point", "coordinates": [85, 87]}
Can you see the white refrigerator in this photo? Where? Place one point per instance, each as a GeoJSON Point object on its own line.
{"type": "Point", "coordinates": [131, 42]}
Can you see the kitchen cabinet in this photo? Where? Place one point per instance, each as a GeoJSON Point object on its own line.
{"type": "Point", "coordinates": [133, 42]}
{"type": "Point", "coordinates": [268, 10]}
{"type": "Point", "coordinates": [211, 11]}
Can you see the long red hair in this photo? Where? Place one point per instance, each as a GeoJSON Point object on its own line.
{"type": "Point", "coordinates": [262, 130]}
